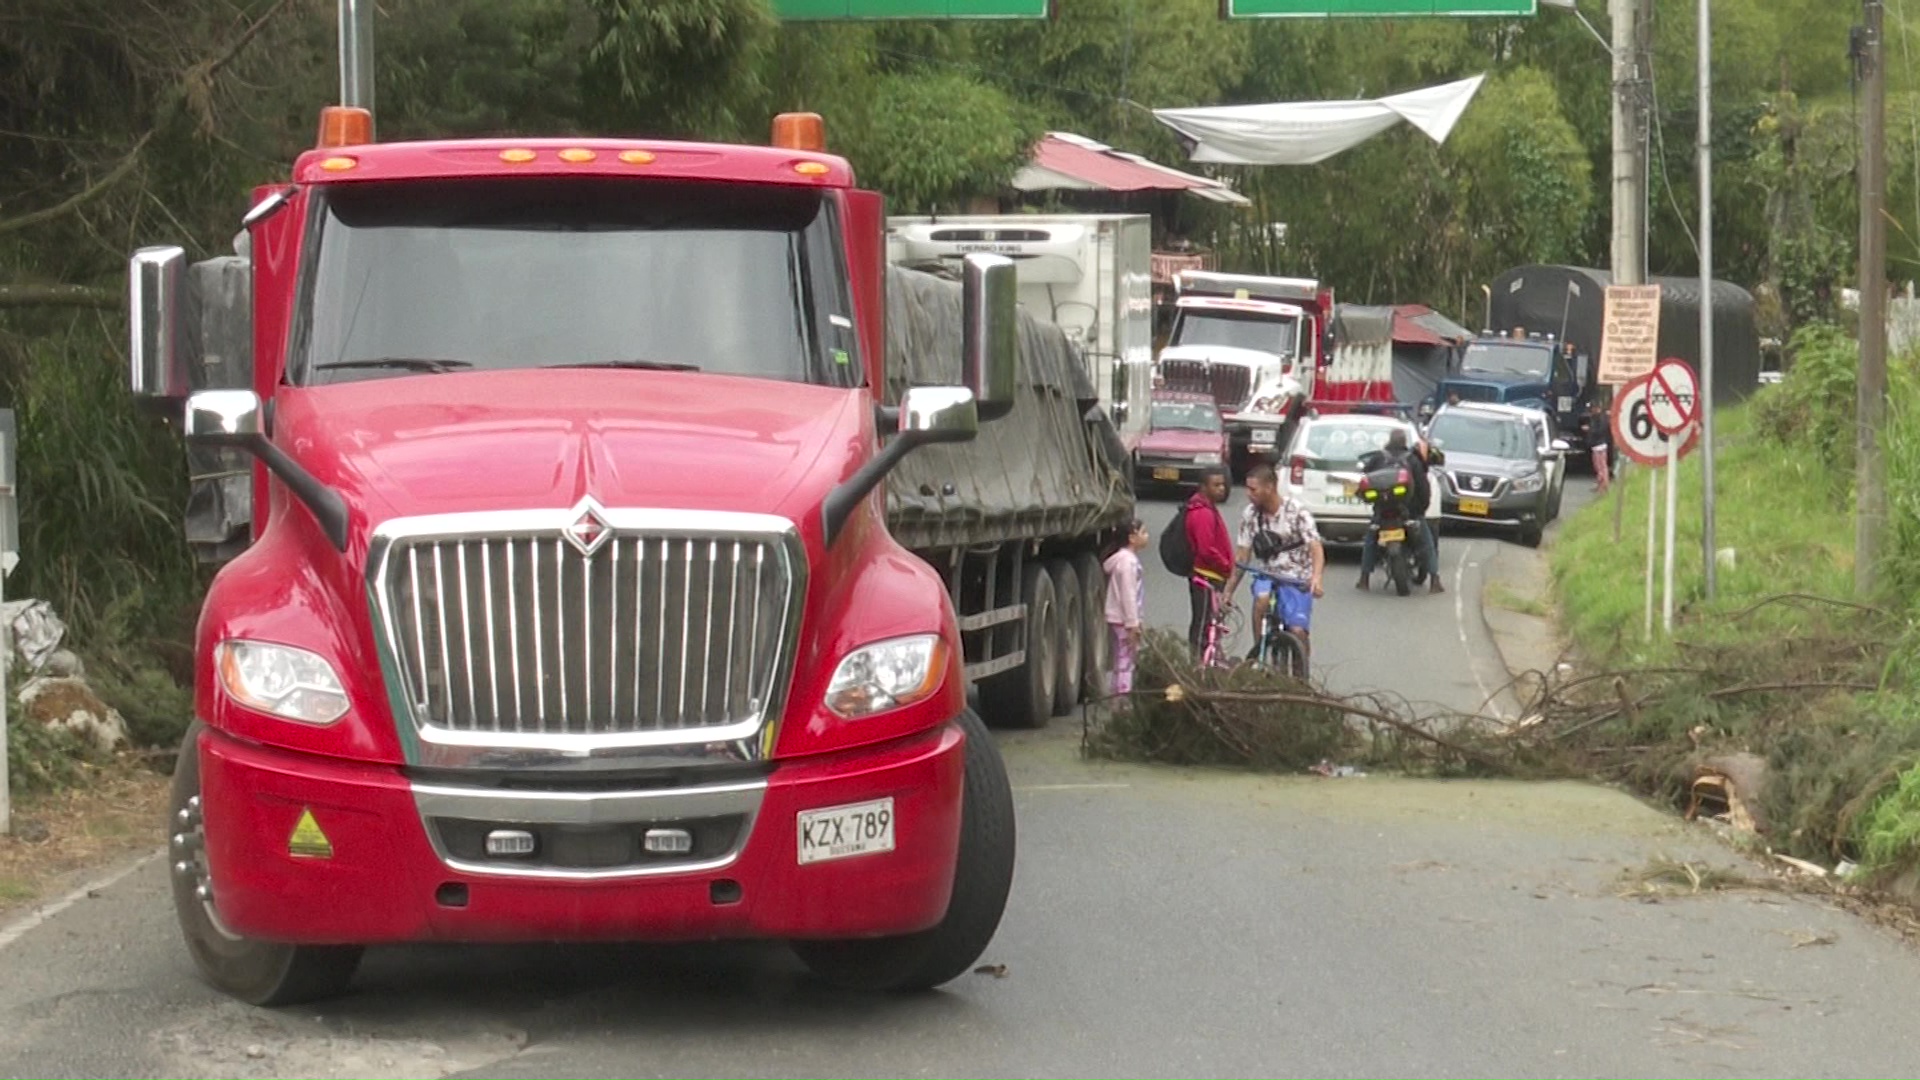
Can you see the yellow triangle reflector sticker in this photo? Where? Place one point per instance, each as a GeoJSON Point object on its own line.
{"type": "Point", "coordinates": [307, 839]}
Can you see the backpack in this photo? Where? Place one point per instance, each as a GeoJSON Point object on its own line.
{"type": "Point", "coordinates": [1176, 551]}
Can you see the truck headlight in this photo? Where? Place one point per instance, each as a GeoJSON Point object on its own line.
{"type": "Point", "coordinates": [1208, 458]}
{"type": "Point", "coordinates": [290, 683]}
{"type": "Point", "coordinates": [887, 675]}
{"type": "Point", "coordinates": [1530, 483]}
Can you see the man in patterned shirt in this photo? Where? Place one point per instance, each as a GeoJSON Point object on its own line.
{"type": "Point", "coordinates": [1278, 536]}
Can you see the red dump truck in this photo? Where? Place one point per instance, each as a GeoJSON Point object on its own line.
{"type": "Point", "coordinates": [576, 595]}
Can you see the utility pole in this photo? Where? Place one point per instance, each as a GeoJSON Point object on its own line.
{"type": "Point", "coordinates": [1631, 21]}
{"type": "Point", "coordinates": [1870, 509]}
{"type": "Point", "coordinates": [1704, 405]}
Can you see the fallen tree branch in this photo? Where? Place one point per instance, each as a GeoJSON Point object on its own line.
{"type": "Point", "coordinates": [1760, 688]}
{"type": "Point", "coordinates": [1280, 697]}
{"type": "Point", "coordinates": [1791, 597]}
{"type": "Point", "coordinates": [51, 296]}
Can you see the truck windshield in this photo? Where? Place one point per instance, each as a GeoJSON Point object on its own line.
{"type": "Point", "coordinates": [1237, 330]}
{"type": "Point", "coordinates": [1457, 433]}
{"type": "Point", "coordinates": [427, 277]}
{"type": "Point", "coordinates": [1507, 359]}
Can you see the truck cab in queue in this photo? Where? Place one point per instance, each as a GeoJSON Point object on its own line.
{"type": "Point", "coordinates": [1528, 372]}
{"type": "Point", "coordinates": [1253, 344]}
{"type": "Point", "coordinates": [565, 604]}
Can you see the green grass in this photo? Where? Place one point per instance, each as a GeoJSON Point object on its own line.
{"type": "Point", "coordinates": [1785, 515]}
{"type": "Point", "coordinates": [1842, 776]}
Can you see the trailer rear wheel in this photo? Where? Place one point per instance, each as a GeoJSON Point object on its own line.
{"type": "Point", "coordinates": [1095, 645]}
{"type": "Point", "coordinates": [981, 880]}
{"type": "Point", "coordinates": [256, 972]}
{"type": "Point", "coordinates": [1023, 697]}
{"type": "Point", "coordinates": [1073, 635]}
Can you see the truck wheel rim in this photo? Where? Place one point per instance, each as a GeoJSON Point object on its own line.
{"type": "Point", "coordinates": [189, 850]}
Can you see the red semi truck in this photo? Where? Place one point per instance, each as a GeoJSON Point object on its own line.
{"type": "Point", "coordinates": [573, 604]}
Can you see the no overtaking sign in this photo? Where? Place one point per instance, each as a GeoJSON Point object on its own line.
{"type": "Point", "coordinates": [1643, 405]}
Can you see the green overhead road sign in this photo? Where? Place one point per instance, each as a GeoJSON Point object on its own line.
{"type": "Point", "coordinates": [1369, 9]}
{"type": "Point", "coordinates": [801, 10]}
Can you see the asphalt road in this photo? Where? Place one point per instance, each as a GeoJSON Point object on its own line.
{"type": "Point", "coordinates": [1432, 650]}
{"type": "Point", "coordinates": [1164, 923]}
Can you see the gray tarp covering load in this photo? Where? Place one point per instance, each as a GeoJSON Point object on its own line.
{"type": "Point", "coordinates": [1362, 324]}
{"type": "Point", "coordinates": [1042, 471]}
{"type": "Point", "coordinates": [1541, 297]}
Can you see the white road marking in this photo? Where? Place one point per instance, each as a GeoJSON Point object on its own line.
{"type": "Point", "coordinates": [13, 931]}
{"type": "Point", "coordinates": [1460, 625]}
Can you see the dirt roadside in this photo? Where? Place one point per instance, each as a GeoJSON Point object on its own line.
{"type": "Point", "coordinates": [60, 840]}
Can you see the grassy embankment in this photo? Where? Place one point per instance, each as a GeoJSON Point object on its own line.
{"type": "Point", "coordinates": [1820, 688]}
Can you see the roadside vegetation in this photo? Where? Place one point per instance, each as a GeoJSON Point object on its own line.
{"type": "Point", "coordinates": [1784, 665]}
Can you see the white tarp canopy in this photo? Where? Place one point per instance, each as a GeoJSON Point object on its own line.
{"type": "Point", "coordinates": [1306, 132]}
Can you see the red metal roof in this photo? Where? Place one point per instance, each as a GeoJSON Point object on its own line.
{"type": "Point", "coordinates": [1418, 324]}
{"type": "Point", "coordinates": [1104, 170]}
{"type": "Point", "coordinates": [1064, 160]}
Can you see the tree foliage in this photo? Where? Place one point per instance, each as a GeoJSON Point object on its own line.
{"type": "Point", "coordinates": [123, 124]}
{"type": "Point", "coordinates": [933, 140]}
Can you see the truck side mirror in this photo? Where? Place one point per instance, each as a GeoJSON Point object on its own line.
{"type": "Point", "coordinates": [233, 418]}
{"type": "Point", "coordinates": [157, 279]}
{"type": "Point", "coordinates": [928, 415]}
{"type": "Point", "coordinates": [938, 414]}
{"type": "Point", "coordinates": [989, 343]}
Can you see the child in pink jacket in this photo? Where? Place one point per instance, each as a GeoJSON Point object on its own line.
{"type": "Point", "coordinates": [1126, 598]}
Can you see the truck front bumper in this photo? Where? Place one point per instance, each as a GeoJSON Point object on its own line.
{"type": "Point", "coordinates": [379, 872]}
{"type": "Point", "coordinates": [1253, 442]}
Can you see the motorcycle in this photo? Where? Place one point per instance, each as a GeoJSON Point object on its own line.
{"type": "Point", "coordinates": [1395, 530]}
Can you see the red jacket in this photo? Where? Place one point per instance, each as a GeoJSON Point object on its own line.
{"type": "Point", "coordinates": [1207, 536]}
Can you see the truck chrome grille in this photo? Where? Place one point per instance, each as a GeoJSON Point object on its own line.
{"type": "Point", "coordinates": [532, 632]}
{"type": "Point", "coordinates": [1228, 383]}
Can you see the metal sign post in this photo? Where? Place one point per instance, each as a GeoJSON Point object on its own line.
{"type": "Point", "coordinates": [1640, 410]}
{"type": "Point", "coordinates": [1653, 541]}
{"type": "Point", "coordinates": [1673, 513]}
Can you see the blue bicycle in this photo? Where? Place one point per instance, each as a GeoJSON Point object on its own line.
{"type": "Point", "coordinates": [1277, 648]}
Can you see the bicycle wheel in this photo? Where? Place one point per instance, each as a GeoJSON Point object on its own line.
{"type": "Point", "coordinates": [1285, 654]}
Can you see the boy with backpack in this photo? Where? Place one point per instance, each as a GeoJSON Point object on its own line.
{"type": "Point", "coordinates": [1198, 547]}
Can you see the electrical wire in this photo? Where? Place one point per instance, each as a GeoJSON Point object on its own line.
{"type": "Point", "coordinates": [1660, 148]}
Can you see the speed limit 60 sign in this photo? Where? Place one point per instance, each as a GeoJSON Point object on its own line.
{"type": "Point", "coordinates": [1639, 411]}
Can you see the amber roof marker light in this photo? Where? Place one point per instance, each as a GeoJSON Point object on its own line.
{"type": "Point", "coordinates": [800, 131]}
{"type": "Point", "coordinates": [344, 125]}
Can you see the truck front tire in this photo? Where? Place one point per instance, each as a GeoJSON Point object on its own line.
{"type": "Point", "coordinates": [256, 972]}
{"type": "Point", "coordinates": [1023, 697]}
{"type": "Point", "coordinates": [982, 877]}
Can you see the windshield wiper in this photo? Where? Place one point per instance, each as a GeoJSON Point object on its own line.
{"type": "Point", "coordinates": [401, 363]}
{"type": "Point", "coordinates": [637, 365]}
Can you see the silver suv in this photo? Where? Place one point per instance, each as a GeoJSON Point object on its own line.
{"type": "Point", "coordinates": [1504, 466]}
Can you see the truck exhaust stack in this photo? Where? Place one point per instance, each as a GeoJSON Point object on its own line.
{"type": "Point", "coordinates": [356, 55]}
